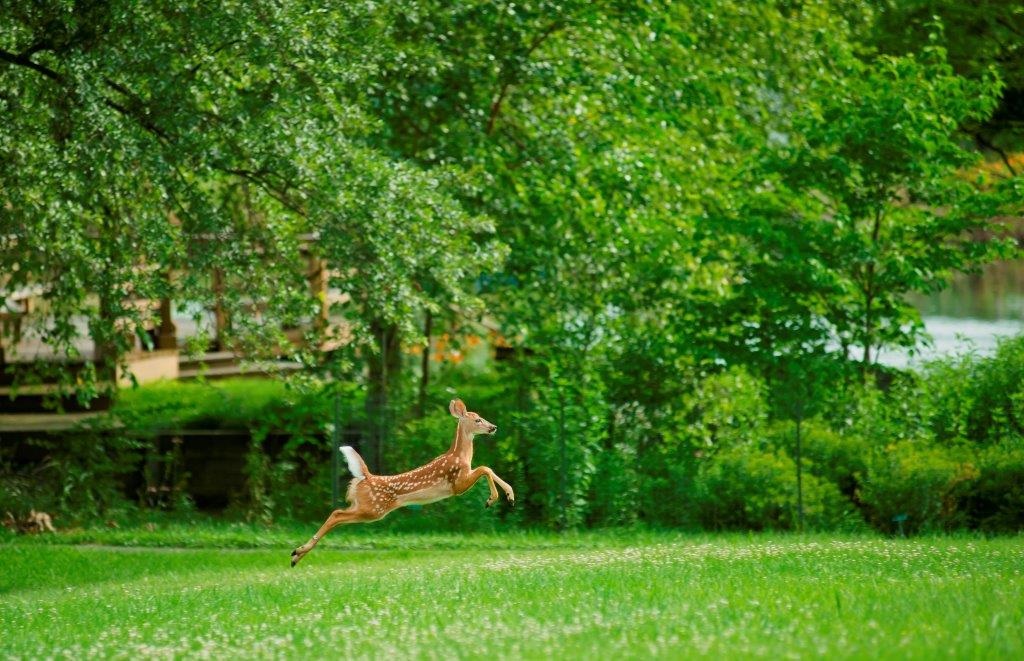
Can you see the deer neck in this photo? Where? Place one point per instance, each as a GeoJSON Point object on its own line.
{"type": "Point", "coordinates": [462, 445]}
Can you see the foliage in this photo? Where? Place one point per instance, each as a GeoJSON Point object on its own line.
{"type": "Point", "coordinates": [563, 433]}
{"type": "Point", "coordinates": [152, 150]}
{"type": "Point", "coordinates": [860, 203]}
{"type": "Point", "coordinates": [979, 399]}
{"type": "Point", "coordinates": [616, 491]}
{"type": "Point", "coordinates": [995, 500]}
{"type": "Point", "coordinates": [80, 477]}
{"type": "Point", "coordinates": [919, 482]}
{"type": "Point", "coordinates": [979, 37]}
{"type": "Point", "coordinates": [754, 489]}
{"type": "Point", "coordinates": [839, 458]}
{"type": "Point", "coordinates": [239, 403]}
{"type": "Point", "coordinates": [689, 226]}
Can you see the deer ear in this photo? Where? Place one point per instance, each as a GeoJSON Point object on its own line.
{"type": "Point", "coordinates": [457, 408]}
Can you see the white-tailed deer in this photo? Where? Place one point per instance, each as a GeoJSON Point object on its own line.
{"type": "Point", "coordinates": [372, 497]}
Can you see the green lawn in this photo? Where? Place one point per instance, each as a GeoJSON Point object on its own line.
{"type": "Point", "coordinates": [535, 596]}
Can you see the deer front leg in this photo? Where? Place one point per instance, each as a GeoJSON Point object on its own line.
{"type": "Point", "coordinates": [470, 479]}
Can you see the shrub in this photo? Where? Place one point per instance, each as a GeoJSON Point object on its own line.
{"type": "Point", "coordinates": [747, 488]}
{"type": "Point", "coordinates": [996, 395]}
{"type": "Point", "coordinates": [241, 403]}
{"type": "Point", "coordinates": [725, 410]}
{"type": "Point", "coordinates": [615, 490]}
{"type": "Point", "coordinates": [82, 476]}
{"type": "Point", "coordinates": [920, 481]}
{"type": "Point", "coordinates": [977, 399]}
{"type": "Point", "coordinates": [564, 433]}
{"type": "Point", "coordinates": [838, 458]}
{"type": "Point", "coordinates": [995, 500]}
{"type": "Point", "coordinates": [282, 481]}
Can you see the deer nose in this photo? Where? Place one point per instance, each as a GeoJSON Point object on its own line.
{"type": "Point", "coordinates": [494, 428]}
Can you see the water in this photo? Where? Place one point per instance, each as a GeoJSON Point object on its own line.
{"type": "Point", "coordinates": [975, 311]}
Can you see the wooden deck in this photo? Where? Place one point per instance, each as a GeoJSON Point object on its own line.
{"type": "Point", "coordinates": [43, 422]}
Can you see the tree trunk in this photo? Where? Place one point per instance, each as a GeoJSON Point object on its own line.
{"type": "Point", "coordinates": [105, 353]}
{"type": "Point", "coordinates": [421, 406]}
{"type": "Point", "coordinates": [869, 296]}
{"type": "Point", "coordinates": [799, 479]}
{"type": "Point", "coordinates": [383, 372]}
{"type": "Point", "coordinates": [563, 462]}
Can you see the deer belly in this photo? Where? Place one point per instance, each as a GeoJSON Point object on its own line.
{"type": "Point", "coordinates": [426, 495]}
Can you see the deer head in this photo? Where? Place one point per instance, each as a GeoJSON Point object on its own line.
{"type": "Point", "coordinates": [471, 422]}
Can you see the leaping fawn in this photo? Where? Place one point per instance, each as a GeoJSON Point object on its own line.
{"type": "Point", "coordinates": [372, 497]}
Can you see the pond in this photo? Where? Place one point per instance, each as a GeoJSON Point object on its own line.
{"type": "Point", "coordinates": [976, 310]}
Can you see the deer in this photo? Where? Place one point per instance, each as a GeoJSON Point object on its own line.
{"type": "Point", "coordinates": [372, 497]}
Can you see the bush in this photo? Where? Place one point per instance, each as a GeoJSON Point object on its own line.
{"type": "Point", "coordinates": [615, 491]}
{"type": "Point", "coordinates": [977, 399]}
{"type": "Point", "coordinates": [995, 500]}
{"type": "Point", "coordinates": [241, 403]}
{"type": "Point", "coordinates": [725, 410]}
{"type": "Point", "coordinates": [287, 481]}
{"type": "Point", "coordinates": [920, 481]}
{"type": "Point", "coordinates": [564, 432]}
{"type": "Point", "coordinates": [838, 458]}
{"type": "Point", "coordinates": [82, 476]}
{"type": "Point", "coordinates": [747, 488]}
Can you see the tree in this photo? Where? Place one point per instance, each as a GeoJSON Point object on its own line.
{"type": "Point", "coordinates": [871, 174]}
{"type": "Point", "coordinates": [605, 139]}
{"type": "Point", "coordinates": [142, 141]}
{"type": "Point", "coordinates": [978, 36]}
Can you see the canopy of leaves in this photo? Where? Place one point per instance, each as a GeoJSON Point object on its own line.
{"type": "Point", "coordinates": [663, 188]}
{"type": "Point", "coordinates": [145, 148]}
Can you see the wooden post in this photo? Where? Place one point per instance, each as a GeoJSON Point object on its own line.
{"type": "Point", "coordinates": [167, 334]}
{"type": "Point", "coordinates": [220, 316]}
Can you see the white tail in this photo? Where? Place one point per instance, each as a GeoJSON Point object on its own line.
{"type": "Point", "coordinates": [354, 464]}
{"type": "Point", "coordinates": [371, 496]}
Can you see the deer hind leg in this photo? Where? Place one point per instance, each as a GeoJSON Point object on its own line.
{"type": "Point", "coordinates": [483, 471]}
{"type": "Point", "coordinates": [337, 517]}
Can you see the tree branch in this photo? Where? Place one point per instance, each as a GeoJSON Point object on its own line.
{"type": "Point", "coordinates": [194, 68]}
{"type": "Point", "coordinates": [984, 143]}
{"type": "Point", "coordinates": [135, 111]}
{"type": "Point", "coordinates": [1006, 24]}
{"type": "Point", "coordinates": [40, 45]}
{"type": "Point", "coordinates": [496, 104]}
{"type": "Point", "coordinates": [496, 107]}
{"type": "Point", "coordinates": [143, 121]}
{"type": "Point", "coordinates": [24, 60]}
{"type": "Point", "coordinates": [260, 180]}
